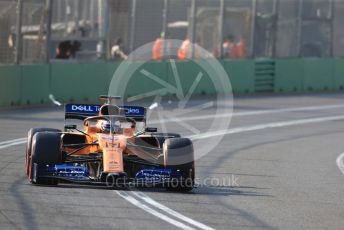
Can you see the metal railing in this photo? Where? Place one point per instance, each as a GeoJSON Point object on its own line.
{"type": "Point", "coordinates": [37, 31]}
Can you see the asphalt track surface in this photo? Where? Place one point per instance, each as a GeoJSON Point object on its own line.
{"type": "Point", "coordinates": [286, 173]}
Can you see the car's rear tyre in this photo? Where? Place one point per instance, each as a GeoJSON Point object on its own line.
{"type": "Point", "coordinates": [46, 150]}
{"type": "Point", "coordinates": [32, 132]}
{"type": "Point", "coordinates": [179, 156]}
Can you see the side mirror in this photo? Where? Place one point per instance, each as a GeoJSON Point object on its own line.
{"type": "Point", "coordinates": [151, 130]}
{"type": "Point", "coordinates": [67, 127]}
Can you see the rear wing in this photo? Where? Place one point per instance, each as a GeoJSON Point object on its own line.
{"type": "Point", "coordinates": [82, 111]}
{"type": "Point", "coordinates": [138, 113]}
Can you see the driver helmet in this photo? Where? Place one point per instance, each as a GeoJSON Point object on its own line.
{"type": "Point", "coordinates": [105, 127]}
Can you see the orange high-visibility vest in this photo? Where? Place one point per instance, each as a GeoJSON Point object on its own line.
{"type": "Point", "coordinates": [157, 51]}
{"type": "Point", "coordinates": [240, 51]}
{"type": "Point", "coordinates": [183, 51]}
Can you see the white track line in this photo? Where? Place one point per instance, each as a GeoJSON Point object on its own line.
{"type": "Point", "coordinates": [13, 144]}
{"type": "Point", "coordinates": [264, 126]}
{"type": "Point", "coordinates": [156, 204]}
{"type": "Point", "coordinates": [148, 209]}
{"type": "Point", "coordinates": [248, 113]}
{"type": "Point", "coordinates": [11, 141]}
{"type": "Point", "coordinates": [340, 162]}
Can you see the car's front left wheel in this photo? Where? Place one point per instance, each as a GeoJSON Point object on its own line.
{"type": "Point", "coordinates": [30, 135]}
{"type": "Point", "coordinates": [45, 150]}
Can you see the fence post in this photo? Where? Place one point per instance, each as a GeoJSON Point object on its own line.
{"type": "Point", "coordinates": [164, 25]}
{"type": "Point", "coordinates": [48, 11]}
{"type": "Point", "coordinates": [332, 7]}
{"type": "Point", "coordinates": [275, 27]}
{"type": "Point", "coordinates": [253, 27]}
{"type": "Point", "coordinates": [221, 20]}
{"type": "Point", "coordinates": [133, 24]}
{"type": "Point", "coordinates": [106, 23]}
{"type": "Point", "coordinates": [19, 12]}
{"type": "Point", "coordinates": [101, 29]}
{"type": "Point", "coordinates": [299, 32]}
{"type": "Point", "coordinates": [193, 28]}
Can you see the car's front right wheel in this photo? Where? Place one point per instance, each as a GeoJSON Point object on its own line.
{"type": "Point", "coordinates": [179, 156]}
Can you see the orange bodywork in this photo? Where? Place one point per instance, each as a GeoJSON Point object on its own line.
{"type": "Point", "coordinates": [112, 146]}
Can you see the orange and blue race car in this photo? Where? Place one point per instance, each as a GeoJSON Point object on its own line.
{"type": "Point", "coordinates": [114, 148]}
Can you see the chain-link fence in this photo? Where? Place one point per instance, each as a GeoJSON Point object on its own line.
{"type": "Point", "coordinates": [7, 35]}
{"type": "Point", "coordinates": [78, 29]}
{"type": "Point", "coordinates": [33, 31]}
{"type": "Point", "coordinates": [98, 30]}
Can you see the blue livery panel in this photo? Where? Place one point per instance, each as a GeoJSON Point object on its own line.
{"type": "Point", "coordinates": [82, 109]}
{"type": "Point", "coordinates": [133, 111]}
{"type": "Point", "coordinates": [156, 175]}
{"type": "Point", "coordinates": [69, 172]}
{"type": "Point", "coordinates": [87, 110]}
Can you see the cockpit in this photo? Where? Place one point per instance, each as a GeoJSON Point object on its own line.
{"type": "Point", "coordinates": [110, 124]}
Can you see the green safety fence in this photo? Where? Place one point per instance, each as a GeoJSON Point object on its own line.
{"type": "Point", "coordinates": [82, 82]}
{"type": "Point", "coordinates": [288, 75]}
{"type": "Point", "coordinates": [34, 84]}
{"type": "Point", "coordinates": [10, 85]}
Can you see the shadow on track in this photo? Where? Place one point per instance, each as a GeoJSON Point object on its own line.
{"type": "Point", "coordinates": [227, 191]}
{"type": "Point", "coordinates": [28, 211]}
{"type": "Point", "coordinates": [209, 190]}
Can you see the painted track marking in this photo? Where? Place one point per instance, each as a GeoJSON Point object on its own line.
{"type": "Point", "coordinates": [162, 207]}
{"type": "Point", "coordinates": [6, 144]}
{"type": "Point", "coordinates": [148, 209]}
{"type": "Point", "coordinates": [265, 126]}
{"type": "Point", "coordinates": [249, 113]}
{"type": "Point", "coordinates": [340, 162]}
{"type": "Point", "coordinates": [11, 141]}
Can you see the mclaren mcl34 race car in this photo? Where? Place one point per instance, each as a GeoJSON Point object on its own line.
{"type": "Point", "coordinates": [114, 148]}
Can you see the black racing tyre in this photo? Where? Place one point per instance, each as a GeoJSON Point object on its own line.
{"type": "Point", "coordinates": [46, 149]}
{"type": "Point", "coordinates": [161, 137]}
{"type": "Point", "coordinates": [30, 134]}
{"type": "Point", "coordinates": [179, 156]}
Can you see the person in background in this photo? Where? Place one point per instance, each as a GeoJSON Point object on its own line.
{"type": "Point", "coordinates": [240, 49]}
{"type": "Point", "coordinates": [63, 50]}
{"type": "Point", "coordinates": [67, 49]}
{"type": "Point", "coordinates": [116, 51]}
{"type": "Point", "coordinates": [10, 40]}
{"type": "Point", "coordinates": [184, 50]}
{"type": "Point", "coordinates": [100, 50]}
{"type": "Point", "coordinates": [158, 48]}
{"type": "Point", "coordinates": [228, 47]}
{"type": "Point", "coordinates": [75, 46]}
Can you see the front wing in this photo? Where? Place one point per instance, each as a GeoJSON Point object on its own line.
{"type": "Point", "coordinates": [148, 177]}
